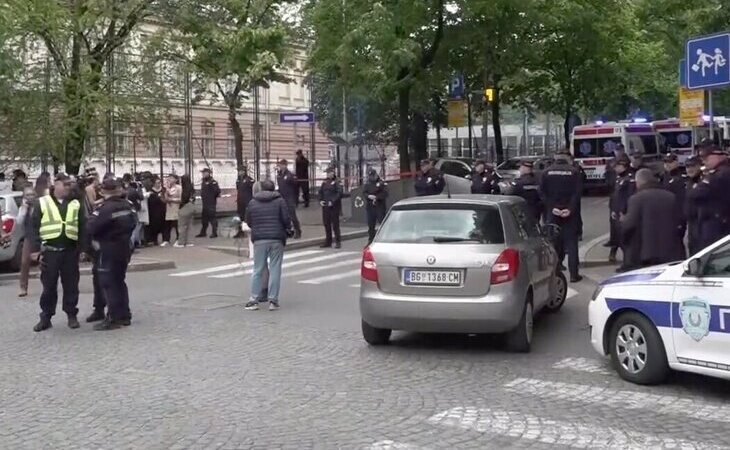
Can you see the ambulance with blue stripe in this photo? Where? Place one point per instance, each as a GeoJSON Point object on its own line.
{"type": "Point", "coordinates": [670, 317]}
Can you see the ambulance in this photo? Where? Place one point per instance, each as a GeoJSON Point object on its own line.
{"type": "Point", "coordinates": [593, 145]}
{"type": "Point", "coordinates": [682, 139]}
{"type": "Point", "coordinates": [669, 317]}
{"type": "Point", "coordinates": [723, 126]}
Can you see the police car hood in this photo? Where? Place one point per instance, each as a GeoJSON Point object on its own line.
{"type": "Point", "coordinates": [645, 274]}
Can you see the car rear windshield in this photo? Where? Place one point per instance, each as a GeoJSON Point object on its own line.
{"type": "Point", "coordinates": [443, 224]}
{"type": "Point", "coordinates": [510, 164]}
{"type": "Point", "coordinates": [3, 206]}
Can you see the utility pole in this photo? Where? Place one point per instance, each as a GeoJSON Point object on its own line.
{"type": "Point", "coordinates": [110, 116]}
{"type": "Point", "coordinates": [313, 147]}
{"type": "Point", "coordinates": [47, 86]}
{"type": "Point", "coordinates": [468, 122]}
{"type": "Point", "coordinates": [188, 146]}
{"type": "Point", "coordinates": [256, 134]}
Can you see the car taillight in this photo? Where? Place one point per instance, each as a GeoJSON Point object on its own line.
{"type": "Point", "coordinates": [368, 270]}
{"type": "Point", "coordinates": [8, 225]}
{"type": "Point", "coordinates": [506, 267]}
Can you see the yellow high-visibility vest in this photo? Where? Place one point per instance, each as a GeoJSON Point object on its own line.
{"type": "Point", "coordinates": [53, 226]}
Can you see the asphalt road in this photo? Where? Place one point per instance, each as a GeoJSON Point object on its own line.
{"type": "Point", "coordinates": [197, 371]}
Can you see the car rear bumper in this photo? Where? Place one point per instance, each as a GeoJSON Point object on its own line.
{"type": "Point", "coordinates": [498, 312]}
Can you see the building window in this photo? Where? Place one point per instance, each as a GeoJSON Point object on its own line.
{"type": "Point", "coordinates": [208, 144]}
{"type": "Point", "coordinates": [153, 145]}
{"type": "Point", "coordinates": [177, 141]}
{"type": "Point", "coordinates": [121, 139]}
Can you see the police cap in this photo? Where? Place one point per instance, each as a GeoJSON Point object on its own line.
{"type": "Point", "coordinates": [425, 162]}
{"type": "Point", "coordinates": [711, 150]}
{"type": "Point", "coordinates": [207, 169]}
{"type": "Point", "coordinates": [693, 161]}
{"type": "Point", "coordinates": [623, 161]}
{"type": "Point", "coordinates": [111, 184]}
{"type": "Point", "coordinates": [283, 162]}
{"type": "Point", "coordinates": [62, 177]}
{"type": "Point", "coordinates": [670, 157]}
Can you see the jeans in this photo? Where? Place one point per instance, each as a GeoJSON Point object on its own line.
{"type": "Point", "coordinates": [272, 252]}
{"type": "Point", "coordinates": [186, 224]}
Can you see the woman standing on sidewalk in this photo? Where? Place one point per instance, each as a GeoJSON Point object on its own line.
{"type": "Point", "coordinates": [187, 210]}
{"type": "Point", "coordinates": [24, 220]}
{"type": "Point", "coordinates": [157, 210]}
{"type": "Point", "coordinates": [172, 211]}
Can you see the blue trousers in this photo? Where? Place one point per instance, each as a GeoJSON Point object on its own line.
{"type": "Point", "coordinates": [271, 253]}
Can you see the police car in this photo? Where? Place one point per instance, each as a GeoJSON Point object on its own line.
{"type": "Point", "coordinates": [674, 316]}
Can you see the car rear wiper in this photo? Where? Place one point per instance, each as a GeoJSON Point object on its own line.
{"type": "Point", "coordinates": [445, 239]}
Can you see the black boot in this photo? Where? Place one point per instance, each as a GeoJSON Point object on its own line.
{"type": "Point", "coordinates": [73, 322]}
{"type": "Point", "coordinates": [338, 245]}
{"type": "Point", "coordinates": [326, 245]}
{"type": "Point", "coordinates": [107, 325]}
{"type": "Point", "coordinates": [96, 316]}
{"type": "Point", "coordinates": [298, 234]}
{"type": "Point", "coordinates": [44, 324]}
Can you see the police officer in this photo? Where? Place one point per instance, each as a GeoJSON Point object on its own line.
{"type": "Point", "coordinates": [244, 194]}
{"type": "Point", "coordinates": [484, 181]}
{"type": "Point", "coordinates": [330, 197]}
{"type": "Point", "coordinates": [618, 204]}
{"type": "Point", "coordinates": [110, 228]}
{"type": "Point", "coordinates": [57, 225]}
{"type": "Point", "coordinates": [619, 153]}
{"type": "Point", "coordinates": [375, 192]}
{"type": "Point", "coordinates": [693, 212]}
{"type": "Point", "coordinates": [712, 195]}
{"type": "Point", "coordinates": [289, 190]}
{"type": "Point", "coordinates": [209, 193]}
{"type": "Point", "coordinates": [675, 181]}
{"type": "Point", "coordinates": [527, 186]}
{"type": "Point", "coordinates": [429, 180]}
{"type": "Point", "coordinates": [561, 187]}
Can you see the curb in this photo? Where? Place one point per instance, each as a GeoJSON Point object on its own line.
{"type": "Point", "coordinates": [138, 266]}
{"type": "Point", "coordinates": [293, 245]}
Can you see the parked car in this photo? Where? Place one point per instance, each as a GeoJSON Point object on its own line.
{"type": "Point", "coordinates": [509, 170]}
{"type": "Point", "coordinates": [459, 264]}
{"type": "Point", "coordinates": [10, 255]}
{"type": "Point", "coordinates": [458, 167]}
{"type": "Point", "coordinates": [673, 316]}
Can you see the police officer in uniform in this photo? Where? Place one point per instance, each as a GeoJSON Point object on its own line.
{"type": "Point", "coordinates": [429, 180]}
{"type": "Point", "coordinates": [110, 228]}
{"type": "Point", "coordinates": [244, 194]}
{"type": "Point", "coordinates": [484, 181]}
{"type": "Point", "coordinates": [618, 204]}
{"type": "Point", "coordinates": [527, 186]}
{"type": "Point", "coordinates": [330, 197]}
{"type": "Point", "coordinates": [692, 212]}
{"type": "Point", "coordinates": [561, 187]}
{"type": "Point", "coordinates": [57, 225]}
{"type": "Point", "coordinates": [712, 195]}
{"type": "Point", "coordinates": [619, 153]}
{"type": "Point", "coordinates": [675, 181]}
{"type": "Point", "coordinates": [375, 192]}
{"type": "Point", "coordinates": [209, 193]}
{"type": "Point", "coordinates": [289, 190]}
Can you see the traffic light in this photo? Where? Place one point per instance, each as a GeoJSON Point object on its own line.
{"type": "Point", "coordinates": [489, 95]}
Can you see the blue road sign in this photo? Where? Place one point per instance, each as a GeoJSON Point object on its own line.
{"type": "Point", "coordinates": [683, 73]}
{"type": "Point", "coordinates": [708, 64]}
{"type": "Point", "coordinates": [296, 117]}
{"type": "Point", "coordinates": [456, 87]}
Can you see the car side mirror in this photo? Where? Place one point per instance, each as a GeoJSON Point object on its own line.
{"type": "Point", "coordinates": [694, 267]}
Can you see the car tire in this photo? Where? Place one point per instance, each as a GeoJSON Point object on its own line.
{"type": "Point", "coordinates": [558, 294]}
{"type": "Point", "coordinates": [637, 350]}
{"type": "Point", "coordinates": [15, 264]}
{"type": "Point", "coordinates": [375, 336]}
{"type": "Point", "coordinates": [519, 340]}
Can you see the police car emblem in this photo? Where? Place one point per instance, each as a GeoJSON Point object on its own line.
{"type": "Point", "coordinates": [359, 202]}
{"type": "Point", "coordinates": [695, 315]}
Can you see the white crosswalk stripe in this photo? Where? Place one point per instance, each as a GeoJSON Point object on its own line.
{"type": "Point", "coordinates": [556, 432]}
{"type": "Point", "coordinates": [604, 396]}
{"type": "Point", "coordinates": [348, 262]}
{"type": "Point", "coordinates": [335, 277]}
{"type": "Point", "coordinates": [241, 265]}
{"type": "Point", "coordinates": [291, 264]}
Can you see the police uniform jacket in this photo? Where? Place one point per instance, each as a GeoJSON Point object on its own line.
{"type": "Point", "coordinates": [561, 187]}
{"type": "Point", "coordinates": [379, 189]}
{"type": "Point", "coordinates": [484, 183]}
{"type": "Point", "coordinates": [331, 193]}
{"type": "Point", "coordinates": [429, 183]}
{"type": "Point", "coordinates": [62, 242]}
{"type": "Point", "coordinates": [623, 189]}
{"type": "Point", "coordinates": [692, 211]}
{"type": "Point", "coordinates": [676, 182]}
{"type": "Point", "coordinates": [111, 225]}
{"type": "Point", "coordinates": [209, 193]}
{"type": "Point", "coordinates": [712, 194]}
{"type": "Point", "coordinates": [244, 188]}
{"type": "Point", "coordinates": [528, 187]}
{"type": "Point", "coordinates": [288, 186]}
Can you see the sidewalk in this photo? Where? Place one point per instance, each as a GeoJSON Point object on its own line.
{"type": "Point", "coordinates": [596, 265]}
{"type": "Point", "coordinates": [140, 263]}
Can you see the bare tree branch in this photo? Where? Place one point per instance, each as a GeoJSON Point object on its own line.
{"type": "Point", "coordinates": [55, 54]}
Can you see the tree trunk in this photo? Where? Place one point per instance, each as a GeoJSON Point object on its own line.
{"type": "Point", "coordinates": [437, 123]}
{"type": "Point", "coordinates": [237, 136]}
{"type": "Point", "coordinates": [80, 107]}
{"type": "Point", "coordinates": [566, 125]}
{"type": "Point", "coordinates": [404, 106]}
{"type": "Point", "coordinates": [419, 137]}
{"type": "Point", "coordinates": [499, 150]}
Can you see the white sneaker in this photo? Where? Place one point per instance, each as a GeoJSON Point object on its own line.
{"type": "Point", "coordinates": [164, 244]}
{"type": "Point", "coordinates": [178, 245]}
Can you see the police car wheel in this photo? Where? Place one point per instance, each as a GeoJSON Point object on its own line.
{"type": "Point", "coordinates": [375, 336]}
{"type": "Point", "coordinates": [519, 340]}
{"type": "Point", "coordinates": [637, 350]}
{"type": "Point", "coordinates": [558, 294]}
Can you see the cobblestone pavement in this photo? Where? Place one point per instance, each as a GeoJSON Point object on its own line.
{"type": "Point", "coordinates": [196, 371]}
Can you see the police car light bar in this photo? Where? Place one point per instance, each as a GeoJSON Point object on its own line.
{"type": "Point", "coordinates": [640, 120]}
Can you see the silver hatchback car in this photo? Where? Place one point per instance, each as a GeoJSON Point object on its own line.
{"type": "Point", "coordinates": [459, 264]}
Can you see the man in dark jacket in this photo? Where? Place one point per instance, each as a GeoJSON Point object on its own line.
{"type": "Point", "coordinates": [484, 181]}
{"type": "Point", "coordinates": [330, 198]}
{"type": "Point", "coordinates": [268, 217]}
{"type": "Point", "coordinates": [244, 194]}
{"type": "Point", "coordinates": [674, 180]}
{"type": "Point", "coordinates": [301, 170]}
{"type": "Point", "coordinates": [692, 211]}
{"type": "Point", "coordinates": [209, 193]}
{"type": "Point", "coordinates": [375, 193]}
{"type": "Point", "coordinates": [429, 180]}
{"type": "Point", "coordinates": [618, 204]}
{"type": "Point", "coordinates": [527, 186]}
{"type": "Point", "coordinates": [619, 153]}
{"type": "Point", "coordinates": [713, 195]}
{"type": "Point", "coordinates": [110, 227]}
{"type": "Point", "coordinates": [649, 225]}
{"type": "Point", "coordinates": [289, 188]}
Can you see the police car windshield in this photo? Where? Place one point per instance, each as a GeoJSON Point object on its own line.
{"type": "Point", "coordinates": [596, 147]}
{"type": "Point", "coordinates": [443, 224]}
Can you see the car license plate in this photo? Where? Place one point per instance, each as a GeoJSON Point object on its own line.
{"type": "Point", "coordinates": [413, 277]}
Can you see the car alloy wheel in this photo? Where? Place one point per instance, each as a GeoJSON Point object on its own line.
{"type": "Point", "coordinates": [631, 348]}
{"type": "Point", "coordinates": [529, 322]}
{"type": "Point", "coordinates": [637, 349]}
{"type": "Point", "coordinates": [559, 295]}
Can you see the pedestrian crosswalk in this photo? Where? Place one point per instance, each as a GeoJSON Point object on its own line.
{"type": "Point", "coordinates": [308, 267]}
{"type": "Point", "coordinates": [591, 410]}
